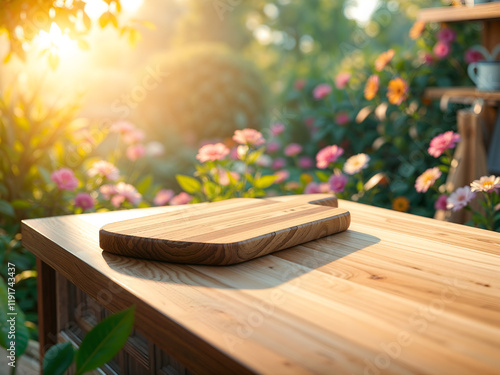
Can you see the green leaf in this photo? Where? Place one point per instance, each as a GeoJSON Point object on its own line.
{"type": "Point", "coordinates": [323, 176]}
{"type": "Point", "coordinates": [255, 155]}
{"type": "Point", "coordinates": [104, 341]}
{"type": "Point", "coordinates": [20, 204]}
{"type": "Point", "coordinates": [21, 334]}
{"type": "Point", "coordinates": [6, 209]}
{"type": "Point", "coordinates": [58, 358]}
{"type": "Point", "coordinates": [210, 189]}
{"type": "Point", "coordinates": [144, 184]}
{"type": "Point", "coordinates": [264, 182]}
{"type": "Point", "coordinates": [188, 184]}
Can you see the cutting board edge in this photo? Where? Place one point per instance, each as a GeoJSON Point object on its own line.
{"type": "Point", "coordinates": [117, 246]}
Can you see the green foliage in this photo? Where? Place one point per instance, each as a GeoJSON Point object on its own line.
{"type": "Point", "coordinates": [210, 91]}
{"type": "Point", "coordinates": [98, 347]}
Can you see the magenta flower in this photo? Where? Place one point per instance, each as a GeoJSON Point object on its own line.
{"type": "Point", "coordinates": [278, 163]}
{"type": "Point", "coordinates": [472, 55]}
{"type": "Point", "coordinates": [104, 169]}
{"type": "Point", "coordinates": [342, 80]}
{"type": "Point", "coordinates": [272, 147]}
{"type": "Point", "coordinates": [65, 179]}
{"type": "Point", "coordinates": [84, 200]}
{"type": "Point", "coordinates": [305, 162]}
{"type": "Point", "coordinates": [181, 198]}
{"type": "Point", "coordinates": [315, 188]}
{"type": "Point", "coordinates": [212, 152]}
{"type": "Point", "coordinates": [427, 179]}
{"type": "Point", "coordinates": [277, 129]}
{"type": "Point", "coordinates": [107, 191]}
{"type": "Point", "coordinates": [342, 118]}
{"type": "Point", "coordinates": [427, 59]}
{"type": "Point", "coordinates": [321, 91]}
{"type": "Point", "coordinates": [281, 176]}
{"type": "Point", "coordinates": [125, 193]}
{"type": "Point", "coordinates": [441, 50]}
{"type": "Point", "coordinates": [443, 142]}
{"type": "Point", "coordinates": [293, 149]}
{"type": "Point", "coordinates": [337, 182]}
{"type": "Point", "coordinates": [460, 198]}
{"type": "Point", "coordinates": [327, 155]}
{"type": "Point", "coordinates": [440, 203]}
{"type": "Point", "coordinates": [250, 137]}
{"type": "Point", "coordinates": [163, 196]}
{"type": "Point", "coordinates": [135, 152]}
{"type": "Point", "coordinates": [446, 35]}
{"type": "Point", "coordinates": [299, 84]}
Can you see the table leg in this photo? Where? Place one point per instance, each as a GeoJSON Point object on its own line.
{"type": "Point", "coordinates": [47, 306]}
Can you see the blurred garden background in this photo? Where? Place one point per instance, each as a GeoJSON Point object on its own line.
{"type": "Point", "coordinates": [111, 104]}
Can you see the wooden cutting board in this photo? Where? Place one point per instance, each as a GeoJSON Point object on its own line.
{"type": "Point", "coordinates": [226, 232]}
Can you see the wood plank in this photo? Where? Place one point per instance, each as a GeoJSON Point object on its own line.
{"type": "Point", "coordinates": [453, 94]}
{"type": "Point", "coordinates": [227, 232]}
{"type": "Point", "coordinates": [395, 294]}
{"type": "Point", "coordinates": [480, 12]}
{"type": "Point", "coordinates": [47, 306]}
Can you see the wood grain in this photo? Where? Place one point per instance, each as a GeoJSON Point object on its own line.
{"type": "Point", "coordinates": [480, 12]}
{"type": "Point", "coordinates": [394, 294]}
{"type": "Point", "coordinates": [226, 232]}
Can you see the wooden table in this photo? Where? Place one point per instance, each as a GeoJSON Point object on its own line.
{"type": "Point", "coordinates": [396, 293]}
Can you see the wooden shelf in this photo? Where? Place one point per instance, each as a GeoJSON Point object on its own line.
{"type": "Point", "coordinates": [481, 12]}
{"type": "Point", "coordinates": [461, 93]}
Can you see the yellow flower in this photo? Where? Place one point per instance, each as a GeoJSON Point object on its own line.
{"type": "Point", "coordinates": [371, 87]}
{"type": "Point", "coordinates": [486, 184]}
{"type": "Point", "coordinates": [401, 204]}
{"type": "Point", "coordinates": [397, 91]}
{"type": "Point", "coordinates": [417, 29]}
{"type": "Point", "coordinates": [384, 59]}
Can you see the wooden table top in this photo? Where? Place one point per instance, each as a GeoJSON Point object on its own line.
{"type": "Point", "coordinates": [395, 293]}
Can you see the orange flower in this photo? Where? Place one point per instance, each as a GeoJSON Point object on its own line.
{"type": "Point", "coordinates": [417, 29]}
{"type": "Point", "coordinates": [384, 59]}
{"type": "Point", "coordinates": [371, 87]}
{"type": "Point", "coordinates": [397, 91]}
{"type": "Point", "coordinates": [401, 204]}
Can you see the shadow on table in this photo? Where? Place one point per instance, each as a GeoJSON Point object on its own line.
{"type": "Point", "coordinates": [260, 273]}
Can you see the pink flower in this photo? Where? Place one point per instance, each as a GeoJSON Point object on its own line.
{"type": "Point", "coordinates": [122, 127]}
{"type": "Point", "coordinates": [342, 80]}
{"type": "Point", "coordinates": [162, 197]}
{"type": "Point", "coordinates": [446, 35]}
{"type": "Point", "coordinates": [314, 188]}
{"type": "Point", "coordinates": [65, 179]}
{"type": "Point", "coordinates": [440, 203]}
{"type": "Point", "coordinates": [471, 56]}
{"type": "Point", "coordinates": [155, 149]}
{"type": "Point", "coordinates": [264, 161]}
{"type": "Point", "coordinates": [441, 50]}
{"type": "Point", "coordinates": [327, 155]}
{"type": "Point", "coordinates": [342, 118]}
{"type": "Point", "coordinates": [299, 84]}
{"type": "Point", "coordinates": [337, 182]}
{"type": "Point", "coordinates": [104, 169]}
{"type": "Point", "coordinates": [443, 142]}
{"type": "Point", "coordinates": [107, 191]}
{"type": "Point", "coordinates": [293, 149]}
{"type": "Point", "coordinates": [181, 198]}
{"type": "Point", "coordinates": [281, 176]}
{"type": "Point", "coordinates": [356, 163]}
{"type": "Point", "coordinates": [324, 187]}
{"type": "Point", "coordinates": [249, 137]}
{"type": "Point", "coordinates": [125, 192]}
{"type": "Point", "coordinates": [278, 163]}
{"type": "Point", "coordinates": [212, 152]}
{"type": "Point", "coordinates": [135, 152]}
{"type": "Point", "coordinates": [224, 177]}
{"type": "Point", "coordinates": [460, 198]}
{"type": "Point", "coordinates": [427, 179]}
{"type": "Point", "coordinates": [272, 147]}
{"type": "Point", "coordinates": [305, 162]}
{"type": "Point", "coordinates": [277, 129]}
{"type": "Point", "coordinates": [427, 58]}
{"type": "Point", "coordinates": [84, 200]}
{"type": "Point", "coordinates": [133, 136]}
{"type": "Point", "coordinates": [321, 91]}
